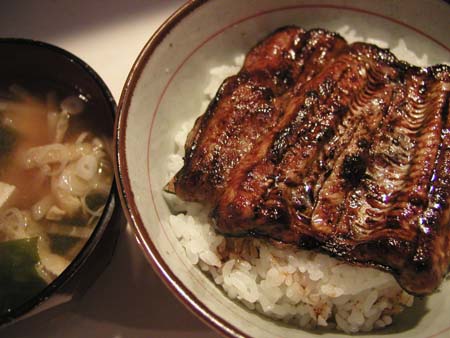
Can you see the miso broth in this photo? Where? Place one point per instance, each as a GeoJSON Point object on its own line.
{"type": "Point", "coordinates": [55, 178]}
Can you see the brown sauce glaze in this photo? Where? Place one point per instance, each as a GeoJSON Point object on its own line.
{"type": "Point", "coordinates": [330, 146]}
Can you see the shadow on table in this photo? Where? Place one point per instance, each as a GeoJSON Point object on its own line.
{"type": "Point", "coordinates": [132, 295]}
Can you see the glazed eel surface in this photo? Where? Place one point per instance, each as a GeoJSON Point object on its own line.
{"type": "Point", "coordinates": [330, 146]}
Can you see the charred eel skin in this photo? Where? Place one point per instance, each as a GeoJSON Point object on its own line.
{"type": "Point", "coordinates": [330, 146]}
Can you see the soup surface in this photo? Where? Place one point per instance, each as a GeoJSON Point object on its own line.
{"type": "Point", "coordinates": [55, 178]}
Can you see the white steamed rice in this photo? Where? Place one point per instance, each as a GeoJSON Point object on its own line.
{"type": "Point", "coordinates": [303, 288]}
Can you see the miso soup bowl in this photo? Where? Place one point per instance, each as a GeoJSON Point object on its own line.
{"type": "Point", "coordinates": [165, 88]}
{"type": "Point", "coordinates": [27, 61]}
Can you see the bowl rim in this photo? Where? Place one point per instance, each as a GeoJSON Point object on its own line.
{"type": "Point", "coordinates": [111, 204]}
{"type": "Point", "coordinates": [131, 211]}
{"type": "Point", "coordinates": [178, 289]}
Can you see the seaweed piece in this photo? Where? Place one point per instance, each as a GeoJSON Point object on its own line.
{"type": "Point", "coordinates": [60, 244]}
{"type": "Point", "coordinates": [76, 220]}
{"type": "Point", "coordinates": [94, 201]}
{"type": "Point", "coordinates": [19, 278]}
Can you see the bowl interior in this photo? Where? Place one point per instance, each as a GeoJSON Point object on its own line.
{"type": "Point", "coordinates": [39, 68]}
{"type": "Point", "coordinates": [165, 89]}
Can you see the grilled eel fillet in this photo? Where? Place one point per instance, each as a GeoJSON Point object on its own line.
{"type": "Point", "coordinates": [330, 146]}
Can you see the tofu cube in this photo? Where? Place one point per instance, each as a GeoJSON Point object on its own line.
{"type": "Point", "coordinates": [6, 190]}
